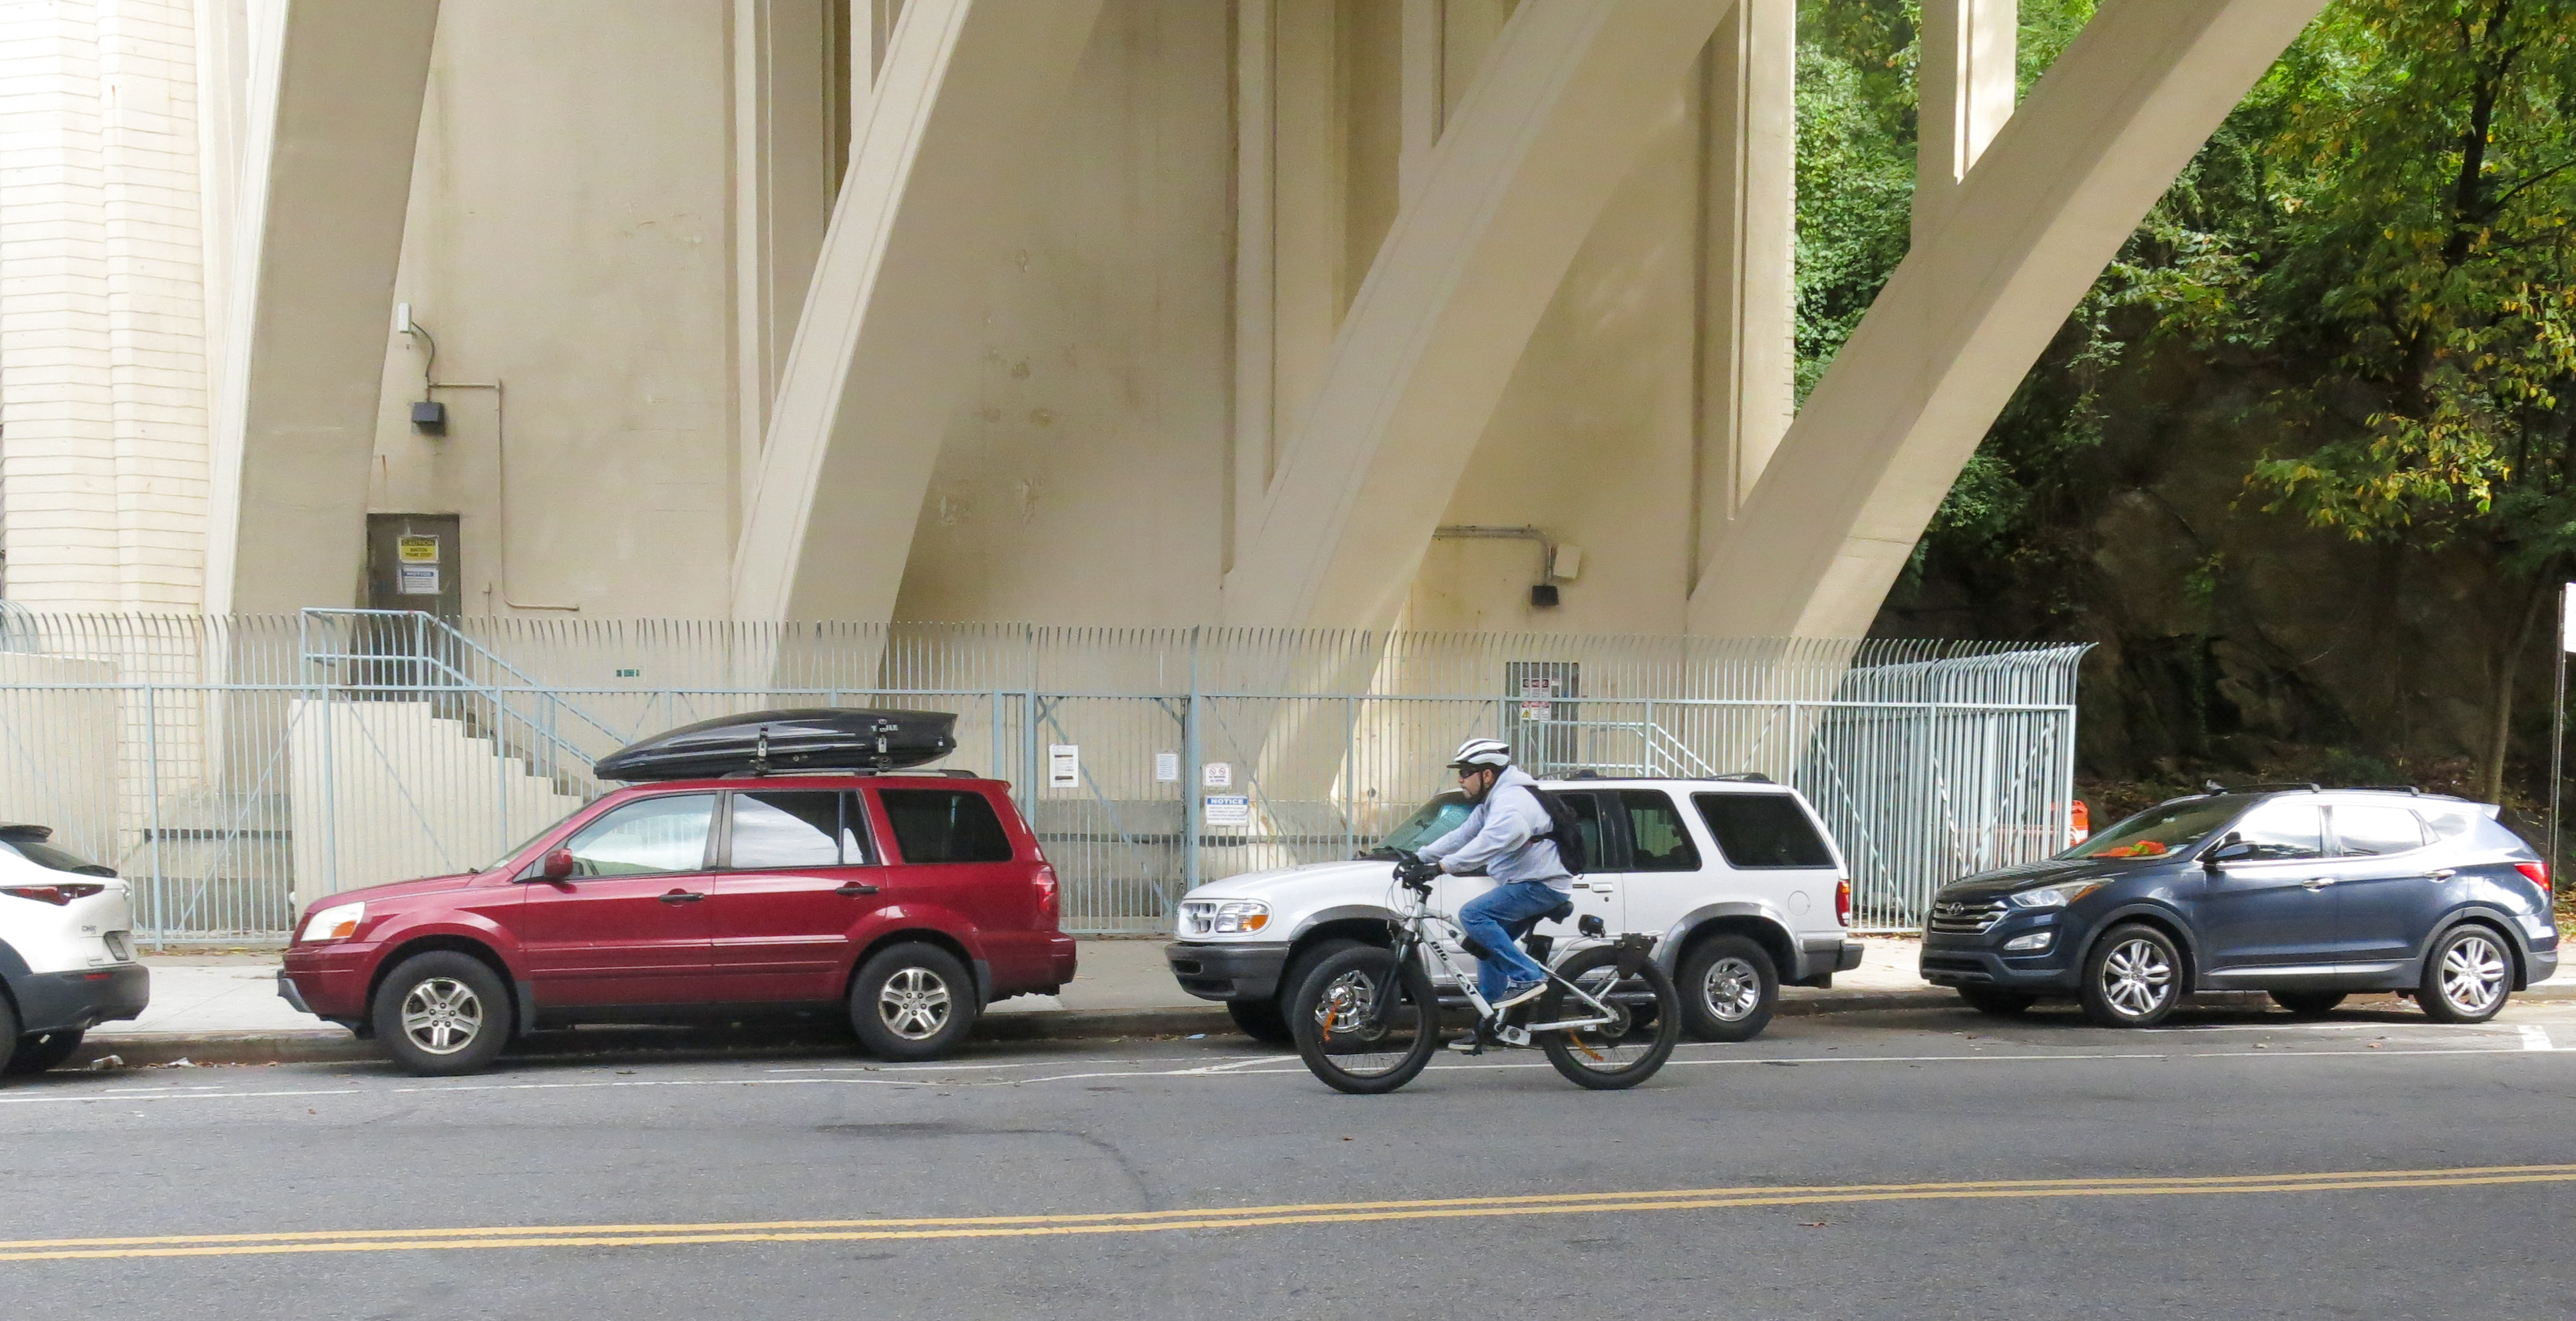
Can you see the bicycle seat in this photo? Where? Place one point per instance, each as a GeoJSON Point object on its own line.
{"type": "Point", "coordinates": [1521, 929]}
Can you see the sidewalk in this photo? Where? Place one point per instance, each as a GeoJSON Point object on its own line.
{"type": "Point", "coordinates": [224, 1008]}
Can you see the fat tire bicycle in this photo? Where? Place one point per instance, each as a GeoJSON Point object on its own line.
{"type": "Point", "coordinates": [1367, 1020]}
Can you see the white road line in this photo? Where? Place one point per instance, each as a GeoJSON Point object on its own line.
{"type": "Point", "coordinates": [2535, 1037]}
{"type": "Point", "coordinates": [173, 1096]}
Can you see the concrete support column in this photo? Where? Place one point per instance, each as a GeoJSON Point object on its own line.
{"type": "Point", "coordinates": [1748, 282]}
{"type": "Point", "coordinates": [936, 182]}
{"type": "Point", "coordinates": [1551, 125]}
{"type": "Point", "coordinates": [334, 117]}
{"type": "Point", "coordinates": [1882, 437]}
{"type": "Point", "coordinates": [1965, 86]}
{"type": "Point", "coordinates": [791, 135]}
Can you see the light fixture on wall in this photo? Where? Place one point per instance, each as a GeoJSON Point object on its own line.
{"type": "Point", "coordinates": [1556, 564]}
{"type": "Point", "coordinates": [428, 416]}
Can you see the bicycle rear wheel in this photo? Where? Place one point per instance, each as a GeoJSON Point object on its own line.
{"type": "Point", "coordinates": [1625, 1051]}
{"type": "Point", "coordinates": [1364, 1023]}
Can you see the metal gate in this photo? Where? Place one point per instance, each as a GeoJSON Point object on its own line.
{"type": "Point", "coordinates": [239, 768]}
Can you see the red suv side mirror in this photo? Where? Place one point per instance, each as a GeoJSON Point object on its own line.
{"type": "Point", "coordinates": [558, 865]}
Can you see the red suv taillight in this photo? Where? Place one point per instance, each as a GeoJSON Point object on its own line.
{"type": "Point", "coordinates": [57, 895]}
{"type": "Point", "coordinates": [1046, 895]}
{"type": "Point", "coordinates": [1842, 902]}
{"type": "Point", "coordinates": [2535, 872]}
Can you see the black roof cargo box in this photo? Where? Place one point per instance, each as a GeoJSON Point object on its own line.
{"type": "Point", "coordinates": [785, 743]}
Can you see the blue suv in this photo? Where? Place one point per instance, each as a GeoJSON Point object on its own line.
{"type": "Point", "coordinates": [2306, 893]}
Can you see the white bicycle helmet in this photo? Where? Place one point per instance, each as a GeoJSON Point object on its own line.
{"type": "Point", "coordinates": [1481, 752]}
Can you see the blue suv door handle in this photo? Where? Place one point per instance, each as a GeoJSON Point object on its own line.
{"type": "Point", "coordinates": [2318, 882]}
{"type": "Point", "coordinates": [2440, 874]}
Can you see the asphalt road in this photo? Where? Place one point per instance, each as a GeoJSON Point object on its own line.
{"type": "Point", "coordinates": [1914, 1164]}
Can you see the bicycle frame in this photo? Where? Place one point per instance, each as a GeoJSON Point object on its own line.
{"type": "Point", "coordinates": [1412, 939]}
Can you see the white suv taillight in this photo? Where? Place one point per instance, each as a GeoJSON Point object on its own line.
{"type": "Point", "coordinates": [1842, 902]}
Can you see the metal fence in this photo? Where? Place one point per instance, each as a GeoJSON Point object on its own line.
{"type": "Point", "coordinates": [240, 767]}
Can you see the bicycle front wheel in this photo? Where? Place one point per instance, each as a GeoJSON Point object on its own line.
{"type": "Point", "coordinates": [1365, 1023]}
{"type": "Point", "coordinates": [1633, 1045]}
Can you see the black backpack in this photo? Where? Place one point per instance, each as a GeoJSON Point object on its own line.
{"type": "Point", "coordinates": [1565, 829]}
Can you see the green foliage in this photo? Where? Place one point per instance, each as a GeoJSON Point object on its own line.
{"type": "Point", "coordinates": [2422, 262]}
{"type": "Point", "coordinates": [2366, 280]}
{"type": "Point", "coordinates": [1855, 174]}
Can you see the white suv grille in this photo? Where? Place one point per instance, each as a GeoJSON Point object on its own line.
{"type": "Point", "coordinates": [1198, 917]}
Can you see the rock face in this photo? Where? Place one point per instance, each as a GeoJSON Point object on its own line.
{"type": "Point", "coordinates": [2231, 639]}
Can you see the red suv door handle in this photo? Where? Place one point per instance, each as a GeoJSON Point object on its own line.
{"type": "Point", "coordinates": [854, 889]}
{"type": "Point", "coordinates": [682, 897]}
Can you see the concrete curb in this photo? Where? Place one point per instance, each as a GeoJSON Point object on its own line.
{"type": "Point", "coordinates": [333, 1046]}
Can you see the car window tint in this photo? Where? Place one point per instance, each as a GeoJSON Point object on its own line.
{"type": "Point", "coordinates": [51, 858]}
{"type": "Point", "coordinates": [2450, 823]}
{"type": "Point", "coordinates": [1762, 830]}
{"type": "Point", "coordinates": [1586, 808]}
{"type": "Point", "coordinates": [1656, 833]}
{"type": "Point", "coordinates": [790, 829]}
{"type": "Point", "coordinates": [2284, 830]}
{"type": "Point", "coordinates": [650, 835]}
{"type": "Point", "coordinates": [2364, 832]}
{"type": "Point", "coordinates": [945, 825]}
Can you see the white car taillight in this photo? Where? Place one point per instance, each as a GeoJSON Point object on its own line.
{"type": "Point", "coordinates": [57, 895]}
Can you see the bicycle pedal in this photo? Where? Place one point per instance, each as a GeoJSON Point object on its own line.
{"type": "Point", "coordinates": [1514, 1036]}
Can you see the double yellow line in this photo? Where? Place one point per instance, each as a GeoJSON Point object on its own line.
{"type": "Point", "coordinates": [1251, 1217]}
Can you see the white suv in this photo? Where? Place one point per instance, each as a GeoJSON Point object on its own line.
{"type": "Point", "coordinates": [66, 951]}
{"type": "Point", "coordinates": [1735, 877]}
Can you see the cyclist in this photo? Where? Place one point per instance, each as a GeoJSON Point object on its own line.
{"type": "Point", "coordinates": [1507, 836]}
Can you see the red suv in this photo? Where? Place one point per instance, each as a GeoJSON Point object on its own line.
{"type": "Point", "coordinates": [914, 900]}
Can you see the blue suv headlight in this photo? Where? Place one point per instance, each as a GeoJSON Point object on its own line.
{"type": "Point", "coordinates": [2056, 896]}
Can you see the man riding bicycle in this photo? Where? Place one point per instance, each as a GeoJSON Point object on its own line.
{"type": "Point", "coordinates": [1508, 837]}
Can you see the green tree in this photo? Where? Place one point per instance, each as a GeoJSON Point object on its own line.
{"type": "Point", "coordinates": [2416, 254]}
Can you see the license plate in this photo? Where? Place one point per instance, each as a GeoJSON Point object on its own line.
{"type": "Point", "coordinates": [116, 945]}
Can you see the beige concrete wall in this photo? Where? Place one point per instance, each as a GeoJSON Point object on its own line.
{"type": "Point", "coordinates": [102, 319]}
{"type": "Point", "coordinates": [1593, 438]}
{"type": "Point", "coordinates": [569, 238]}
{"type": "Point", "coordinates": [610, 204]}
{"type": "Point", "coordinates": [1080, 480]}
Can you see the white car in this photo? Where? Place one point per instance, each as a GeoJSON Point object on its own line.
{"type": "Point", "coordinates": [66, 951]}
{"type": "Point", "coordinates": [1735, 877]}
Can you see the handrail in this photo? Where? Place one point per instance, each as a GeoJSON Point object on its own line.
{"type": "Point", "coordinates": [431, 663]}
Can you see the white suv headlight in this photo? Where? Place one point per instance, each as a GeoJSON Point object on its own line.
{"type": "Point", "coordinates": [338, 922]}
{"type": "Point", "coordinates": [1226, 917]}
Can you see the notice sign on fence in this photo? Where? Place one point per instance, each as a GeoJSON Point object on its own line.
{"type": "Point", "coordinates": [1228, 810]}
{"type": "Point", "coordinates": [1064, 765]}
{"type": "Point", "coordinates": [1167, 768]}
{"type": "Point", "coordinates": [1217, 775]}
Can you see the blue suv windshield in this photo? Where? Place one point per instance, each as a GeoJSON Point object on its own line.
{"type": "Point", "coordinates": [2161, 831]}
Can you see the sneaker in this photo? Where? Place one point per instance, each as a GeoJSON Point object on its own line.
{"type": "Point", "coordinates": [1515, 996]}
{"type": "Point", "coordinates": [1471, 1044]}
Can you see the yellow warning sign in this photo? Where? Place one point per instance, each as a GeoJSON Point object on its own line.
{"type": "Point", "coordinates": [416, 550]}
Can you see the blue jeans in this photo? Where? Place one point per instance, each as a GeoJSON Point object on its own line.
{"type": "Point", "coordinates": [1485, 917]}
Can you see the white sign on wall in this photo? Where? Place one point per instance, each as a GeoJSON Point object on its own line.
{"type": "Point", "coordinates": [1217, 775]}
{"type": "Point", "coordinates": [2567, 620]}
{"type": "Point", "coordinates": [1064, 765]}
{"type": "Point", "coordinates": [1167, 768]}
{"type": "Point", "coordinates": [1228, 810]}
